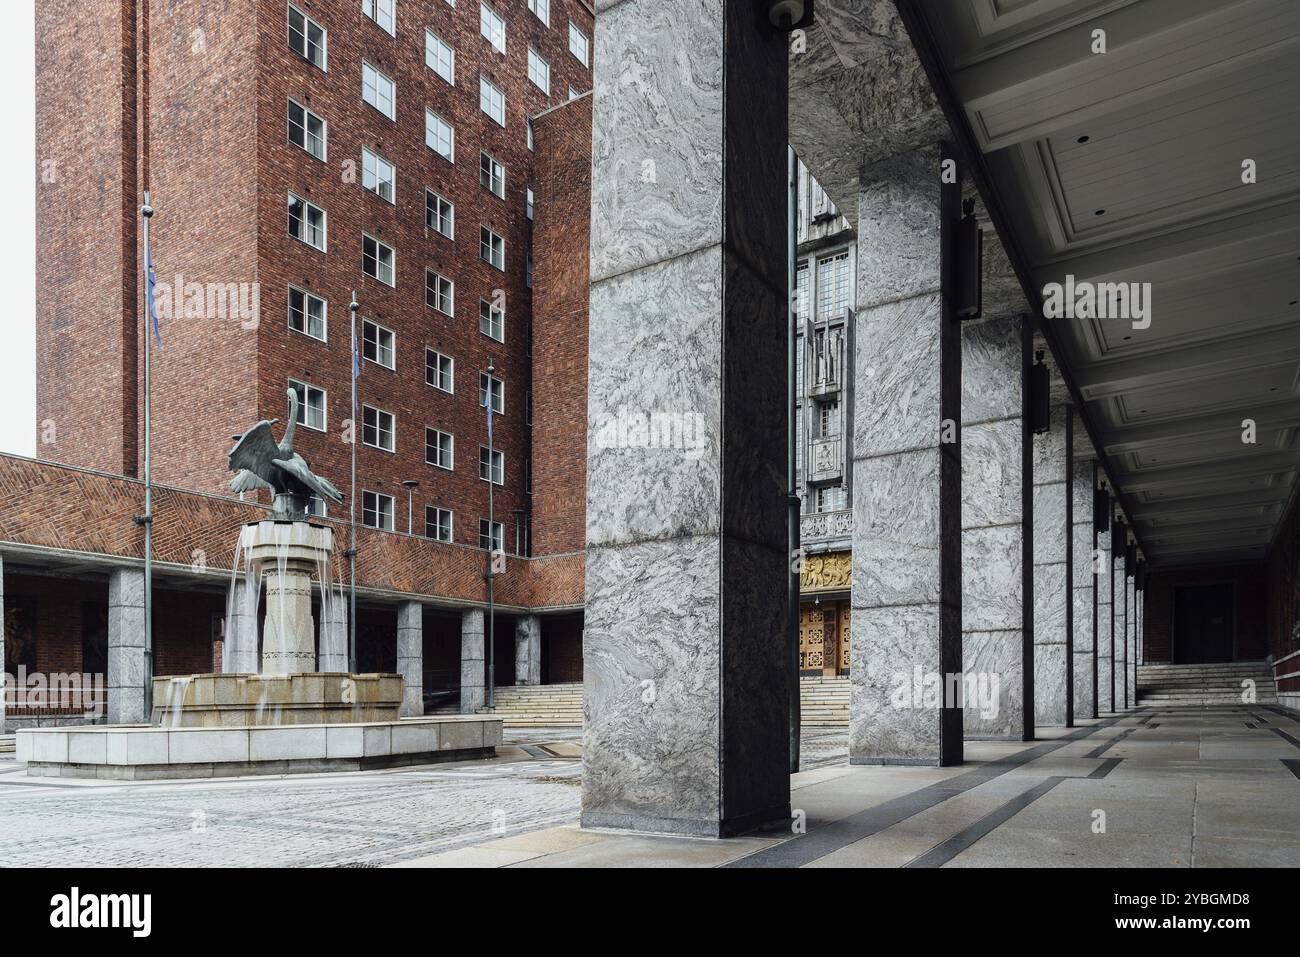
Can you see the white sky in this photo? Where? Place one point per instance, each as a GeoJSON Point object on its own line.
{"type": "Point", "coordinates": [18, 170]}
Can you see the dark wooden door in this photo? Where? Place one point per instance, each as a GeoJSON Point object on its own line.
{"type": "Point", "coordinates": [1204, 623]}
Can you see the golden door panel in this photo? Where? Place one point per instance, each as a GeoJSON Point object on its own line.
{"type": "Point", "coordinates": [845, 636]}
{"type": "Point", "coordinates": [812, 629]}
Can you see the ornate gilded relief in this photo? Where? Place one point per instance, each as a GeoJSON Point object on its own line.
{"type": "Point", "coordinates": [829, 572]}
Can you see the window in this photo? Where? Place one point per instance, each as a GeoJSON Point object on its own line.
{"type": "Point", "coordinates": [573, 94]}
{"type": "Point", "coordinates": [377, 510]}
{"type": "Point", "coordinates": [439, 370]}
{"type": "Point", "coordinates": [439, 293]}
{"type": "Point", "coordinates": [542, 9]}
{"type": "Point", "coordinates": [382, 12]}
{"type": "Point", "coordinates": [491, 465]}
{"type": "Point", "coordinates": [439, 214]}
{"type": "Point", "coordinates": [491, 175]}
{"type": "Point", "coordinates": [316, 506]}
{"type": "Point", "coordinates": [491, 100]}
{"type": "Point", "coordinates": [378, 91]}
{"type": "Point", "coordinates": [378, 429]}
{"type": "Point", "coordinates": [378, 176]}
{"type": "Point", "coordinates": [306, 37]}
{"type": "Point", "coordinates": [439, 57]}
{"type": "Point", "coordinates": [306, 222]}
{"type": "Point", "coordinates": [307, 313]}
{"type": "Point", "coordinates": [491, 248]}
{"type": "Point", "coordinates": [306, 130]}
{"type": "Point", "coordinates": [498, 390]}
{"type": "Point", "coordinates": [528, 210]}
{"type": "Point", "coordinates": [578, 44]}
{"type": "Point", "coordinates": [539, 71]}
{"type": "Point", "coordinates": [377, 344]}
{"type": "Point", "coordinates": [491, 321]}
{"type": "Point", "coordinates": [530, 132]}
{"type": "Point", "coordinates": [833, 286]}
{"type": "Point", "coordinates": [439, 136]}
{"type": "Point", "coordinates": [497, 542]}
{"type": "Point", "coordinates": [378, 261]}
{"type": "Point", "coordinates": [439, 448]}
{"type": "Point", "coordinates": [437, 523]}
{"type": "Point", "coordinates": [528, 270]}
{"type": "Point", "coordinates": [311, 405]}
{"type": "Point", "coordinates": [492, 27]}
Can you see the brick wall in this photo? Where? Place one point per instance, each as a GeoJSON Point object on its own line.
{"type": "Point", "coordinates": [1252, 608]}
{"type": "Point", "coordinates": [1283, 571]}
{"type": "Point", "coordinates": [561, 283]}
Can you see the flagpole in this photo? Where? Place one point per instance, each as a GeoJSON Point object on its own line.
{"type": "Point", "coordinates": [492, 541]}
{"type": "Point", "coordinates": [147, 212]}
{"type": "Point", "coordinates": [352, 519]}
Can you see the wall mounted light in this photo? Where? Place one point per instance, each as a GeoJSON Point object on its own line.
{"type": "Point", "coordinates": [790, 15]}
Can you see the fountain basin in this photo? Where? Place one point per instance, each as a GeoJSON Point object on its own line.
{"type": "Point", "coordinates": [245, 700]}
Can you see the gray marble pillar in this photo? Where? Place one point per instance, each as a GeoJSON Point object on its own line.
{"type": "Point", "coordinates": [685, 658]}
{"type": "Point", "coordinates": [240, 653]}
{"type": "Point", "coordinates": [906, 596]}
{"type": "Point", "coordinates": [1117, 619]}
{"type": "Point", "coordinates": [1105, 620]}
{"type": "Point", "coordinates": [997, 596]}
{"type": "Point", "coordinates": [1053, 586]}
{"type": "Point", "coordinates": [334, 635]}
{"type": "Point", "coordinates": [473, 672]}
{"type": "Point", "coordinates": [4, 690]}
{"type": "Point", "coordinates": [1085, 646]}
{"type": "Point", "coordinates": [528, 650]}
{"type": "Point", "coordinates": [126, 647]}
{"type": "Point", "coordinates": [1130, 646]}
{"type": "Point", "coordinates": [410, 657]}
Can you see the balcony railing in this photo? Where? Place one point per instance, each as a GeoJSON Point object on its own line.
{"type": "Point", "coordinates": [825, 527]}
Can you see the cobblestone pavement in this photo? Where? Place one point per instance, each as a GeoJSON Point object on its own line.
{"type": "Point", "coordinates": [346, 819]}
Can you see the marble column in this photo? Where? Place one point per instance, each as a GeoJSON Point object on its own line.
{"type": "Point", "coordinates": [1116, 691]}
{"type": "Point", "coordinates": [997, 523]}
{"type": "Point", "coordinates": [4, 689]}
{"type": "Point", "coordinates": [686, 650]}
{"type": "Point", "coordinates": [528, 650]}
{"type": "Point", "coordinates": [1105, 619]}
{"type": "Point", "coordinates": [473, 671]}
{"type": "Point", "coordinates": [1130, 646]}
{"type": "Point", "coordinates": [1082, 483]}
{"type": "Point", "coordinates": [410, 657]}
{"type": "Point", "coordinates": [906, 595]}
{"type": "Point", "coordinates": [334, 634]}
{"type": "Point", "coordinates": [239, 651]}
{"type": "Point", "coordinates": [126, 647]}
{"type": "Point", "coordinates": [1053, 585]}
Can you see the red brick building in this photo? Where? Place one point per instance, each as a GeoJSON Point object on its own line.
{"type": "Point", "coordinates": [296, 152]}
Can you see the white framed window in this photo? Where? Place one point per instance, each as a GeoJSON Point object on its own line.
{"type": "Point", "coordinates": [491, 175]}
{"type": "Point", "coordinates": [378, 429]}
{"type": "Point", "coordinates": [491, 321]}
{"type": "Point", "coordinates": [491, 465]}
{"type": "Point", "coordinates": [579, 45]}
{"type": "Point", "coordinates": [307, 223]}
{"type": "Point", "coordinates": [440, 449]}
{"type": "Point", "coordinates": [439, 293]}
{"type": "Point", "coordinates": [311, 405]}
{"type": "Point", "coordinates": [491, 100]}
{"type": "Point", "coordinates": [315, 505]}
{"type": "Point", "coordinates": [438, 523]}
{"type": "Point", "coordinates": [488, 383]}
{"type": "Point", "coordinates": [439, 371]}
{"type": "Point", "coordinates": [492, 26]}
{"type": "Point", "coordinates": [541, 9]}
{"type": "Point", "coordinates": [379, 176]}
{"type": "Point", "coordinates": [439, 214]}
{"type": "Point", "coordinates": [378, 260]}
{"type": "Point", "coordinates": [383, 12]}
{"type": "Point", "coordinates": [378, 345]}
{"type": "Point", "coordinates": [530, 132]}
{"type": "Point", "coordinates": [573, 94]}
{"type": "Point", "coordinates": [439, 56]}
{"type": "Point", "coordinates": [377, 510]}
{"type": "Point", "coordinates": [528, 208]}
{"type": "Point", "coordinates": [308, 314]}
{"type": "Point", "coordinates": [439, 136]}
{"type": "Point", "coordinates": [539, 71]}
{"type": "Point", "coordinates": [307, 131]}
{"type": "Point", "coordinates": [307, 38]}
{"type": "Point", "coordinates": [378, 90]}
{"type": "Point", "coordinates": [497, 542]}
{"type": "Point", "coordinates": [491, 248]}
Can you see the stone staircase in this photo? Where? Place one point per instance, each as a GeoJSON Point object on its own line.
{"type": "Point", "coordinates": [6, 744]}
{"type": "Point", "coordinates": [825, 704]}
{"type": "Point", "coordinates": [1160, 685]}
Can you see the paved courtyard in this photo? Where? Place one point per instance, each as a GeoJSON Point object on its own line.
{"type": "Point", "coordinates": [1175, 787]}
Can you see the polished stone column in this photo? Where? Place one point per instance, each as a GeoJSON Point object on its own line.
{"type": "Point", "coordinates": [1082, 483]}
{"type": "Point", "coordinates": [1130, 645]}
{"type": "Point", "coordinates": [473, 672]}
{"type": "Point", "coordinates": [126, 647]}
{"type": "Point", "coordinates": [1105, 620]}
{"type": "Point", "coordinates": [410, 657]}
{"type": "Point", "coordinates": [239, 653]}
{"type": "Point", "coordinates": [996, 518]}
{"type": "Point", "coordinates": [1053, 585]}
{"type": "Point", "coordinates": [528, 650]}
{"type": "Point", "coordinates": [334, 633]}
{"type": "Point", "coordinates": [1116, 690]}
{"type": "Point", "coordinates": [907, 471]}
{"type": "Point", "coordinates": [4, 690]}
{"type": "Point", "coordinates": [686, 647]}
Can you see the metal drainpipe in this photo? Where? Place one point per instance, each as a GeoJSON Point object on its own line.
{"type": "Point", "coordinates": [792, 535]}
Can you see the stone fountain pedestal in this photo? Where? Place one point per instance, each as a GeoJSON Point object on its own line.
{"type": "Point", "coordinates": [288, 555]}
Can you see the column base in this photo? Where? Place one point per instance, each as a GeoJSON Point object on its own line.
{"type": "Point", "coordinates": [649, 824]}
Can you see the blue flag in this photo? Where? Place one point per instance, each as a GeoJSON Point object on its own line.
{"type": "Point", "coordinates": [150, 281]}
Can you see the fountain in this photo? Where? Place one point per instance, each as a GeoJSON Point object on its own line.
{"type": "Point", "coordinates": [281, 710]}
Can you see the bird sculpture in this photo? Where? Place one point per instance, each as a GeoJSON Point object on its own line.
{"type": "Point", "coordinates": [263, 463]}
